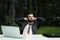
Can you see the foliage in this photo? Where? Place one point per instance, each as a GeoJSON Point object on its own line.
{"type": "Point", "coordinates": [49, 9]}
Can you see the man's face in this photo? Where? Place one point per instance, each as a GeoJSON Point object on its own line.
{"type": "Point", "coordinates": [30, 17]}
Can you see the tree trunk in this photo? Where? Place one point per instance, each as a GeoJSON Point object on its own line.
{"type": "Point", "coordinates": [11, 8]}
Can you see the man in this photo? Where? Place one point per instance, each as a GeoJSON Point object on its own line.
{"type": "Point", "coordinates": [29, 19]}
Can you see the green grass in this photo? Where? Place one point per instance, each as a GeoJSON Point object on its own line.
{"type": "Point", "coordinates": [46, 30]}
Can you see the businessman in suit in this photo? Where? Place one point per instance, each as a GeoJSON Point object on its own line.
{"type": "Point", "coordinates": [29, 19]}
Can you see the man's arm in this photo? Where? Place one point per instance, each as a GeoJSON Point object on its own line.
{"type": "Point", "coordinates": [40, 18]}
{"type": "Point", "coordinates": [20, 21]}
{"type": "Point", "coordinates": [40, 21]}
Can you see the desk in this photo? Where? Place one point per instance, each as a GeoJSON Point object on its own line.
{"type": "Point", "coordinates": [34, 37]}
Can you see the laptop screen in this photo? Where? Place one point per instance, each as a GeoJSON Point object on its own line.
{"type": "Point", "coordinates": [11, 31]}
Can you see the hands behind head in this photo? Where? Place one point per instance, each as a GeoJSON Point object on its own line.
{"type": "Point", "coordinates": [33, 19]}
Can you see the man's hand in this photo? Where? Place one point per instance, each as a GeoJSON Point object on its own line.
{"type": "Point", "coordinates": [25, 19]}
{"type": "Point", "coordinates": [34, 19]}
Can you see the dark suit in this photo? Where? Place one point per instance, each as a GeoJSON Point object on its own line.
{"type": "Point", "coordinates": [22, 23]}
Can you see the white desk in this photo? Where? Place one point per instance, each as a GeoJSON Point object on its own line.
{"type": "Point", "coordinates": [34, 37]}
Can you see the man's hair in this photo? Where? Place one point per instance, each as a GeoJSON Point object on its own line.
{"type": "Point", "coordinates": [29, 14]}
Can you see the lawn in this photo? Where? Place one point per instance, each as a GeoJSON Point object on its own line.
{"type": "Point", "coordinates": [46, 30]}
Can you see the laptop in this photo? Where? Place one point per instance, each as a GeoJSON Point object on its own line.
{"type": "Point", "coordinates": [11, 31]}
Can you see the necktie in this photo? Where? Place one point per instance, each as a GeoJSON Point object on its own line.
{"type": "Point", "coordinates": [28, 29]}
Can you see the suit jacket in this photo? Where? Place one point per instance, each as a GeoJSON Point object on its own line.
{"type": "Point", "coordinates": [22, 23]}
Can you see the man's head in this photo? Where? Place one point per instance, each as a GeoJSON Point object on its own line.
{"type": "Point", "coordinates": [30, 17]}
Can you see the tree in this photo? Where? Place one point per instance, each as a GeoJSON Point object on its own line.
{"type": "Point", "coordinates": [11, 12]}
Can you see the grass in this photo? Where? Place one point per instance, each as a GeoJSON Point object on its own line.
{"type": "Point", "coordinates": [46, 30]}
